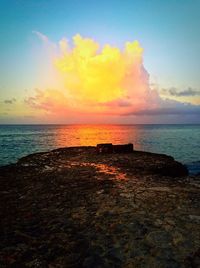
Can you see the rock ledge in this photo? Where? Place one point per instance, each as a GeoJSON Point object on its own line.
{"type": "Point", "coordinates": [74, 207]}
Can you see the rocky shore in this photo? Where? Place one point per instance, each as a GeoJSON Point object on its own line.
{"type": "Point", "coordinates": [75, 207]}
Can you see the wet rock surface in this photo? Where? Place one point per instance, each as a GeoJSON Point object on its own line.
{"type": "Point", "coordinates": [73, 207]}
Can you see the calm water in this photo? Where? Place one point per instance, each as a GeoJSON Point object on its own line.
{"type": "Point", "coordinates": [180, 141]}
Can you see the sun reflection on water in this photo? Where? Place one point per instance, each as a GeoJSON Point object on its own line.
{"type": "Point", "coordinates": [91, 135]}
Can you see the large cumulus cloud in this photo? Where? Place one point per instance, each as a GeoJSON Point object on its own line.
{"type": "Point", "coordinates": [103, 80]}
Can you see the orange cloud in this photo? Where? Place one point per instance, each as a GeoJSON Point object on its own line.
{"type": "Point", "coordinates": [48, 100]}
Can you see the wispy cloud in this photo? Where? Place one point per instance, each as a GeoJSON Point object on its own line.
{"type": "Point", "coordinates": [189, 92]}
{"type": "Point", "coordinates": [42, 36]}
{"type": "Point", "coordinates": [9, 101]}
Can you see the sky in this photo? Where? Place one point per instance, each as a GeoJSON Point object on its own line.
{"type": "Point", "coordinates": [99, 61]}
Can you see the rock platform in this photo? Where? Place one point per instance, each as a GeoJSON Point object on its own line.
{"type": "Point", "coordinates": [74, 207]}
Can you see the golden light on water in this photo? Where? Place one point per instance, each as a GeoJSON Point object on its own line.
{"type": "Point", "coordinates": [91, 135]}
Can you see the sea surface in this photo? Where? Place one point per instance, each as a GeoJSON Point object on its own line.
{"type": "Point", "coordinates": [180, 141]}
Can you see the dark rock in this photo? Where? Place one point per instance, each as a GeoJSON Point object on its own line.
{"type": "Point", "coordinates": [93, 261]}
{"type": "Point", "coordinates": [159, 239]}
{"type": "Point", "coordinates": [104, 148]}
{"type": "Point", "coordinates": [193, 260]}
{"type": "Point", "coordinates": [74, 207]}
{"type": "Point", "coordinates": [123, 148]}
{"type": "Point", "coordinates": [174, 169]}
{"type": "Point", "coordinates": [110, 148]}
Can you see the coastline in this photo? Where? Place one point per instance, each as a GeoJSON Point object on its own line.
{"type": "Point", "coordinates": [73, 207]}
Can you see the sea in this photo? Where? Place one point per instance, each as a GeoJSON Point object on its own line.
{"type": "Point", "coordinates": [180, 141]}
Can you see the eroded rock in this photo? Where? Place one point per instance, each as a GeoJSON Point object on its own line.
{"type": "Point", "coordinates": [74, 207]}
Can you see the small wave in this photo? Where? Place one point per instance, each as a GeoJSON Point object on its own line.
{"type": "Point", "coordinates": [194, 167]}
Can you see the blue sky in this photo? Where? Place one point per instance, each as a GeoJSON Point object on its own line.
{"type": "Point", "coordinates": [169, 32]}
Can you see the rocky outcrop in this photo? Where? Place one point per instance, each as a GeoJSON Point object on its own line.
{"type": "Point", "coordinates": [74, 207]}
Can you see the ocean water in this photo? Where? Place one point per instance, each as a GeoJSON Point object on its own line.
{"type": "Point", "coordinates": [180, 141]}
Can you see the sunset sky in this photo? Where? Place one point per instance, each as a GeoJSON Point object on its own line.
{"type": "Point", "coordinates": [99, 61]}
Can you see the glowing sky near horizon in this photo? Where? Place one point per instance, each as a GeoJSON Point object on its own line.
{"type": "Point", "coordinates": [65, 62]}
